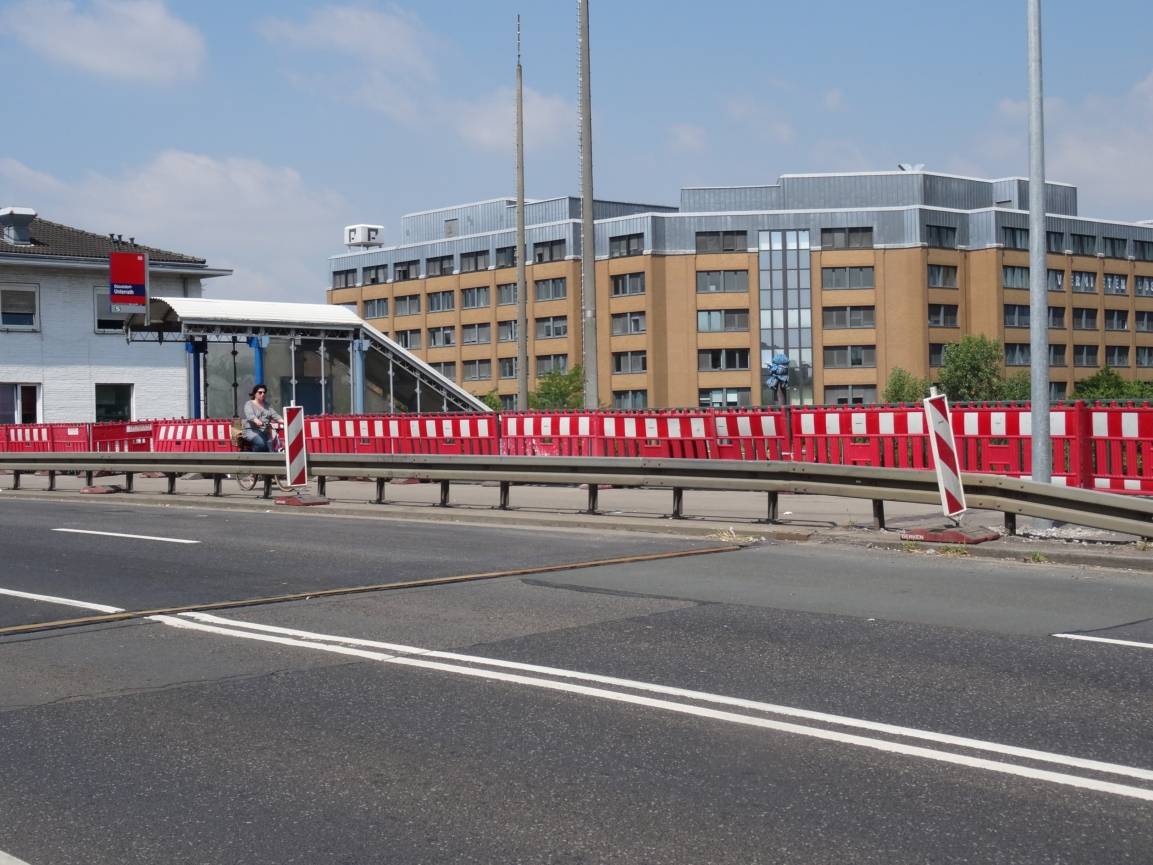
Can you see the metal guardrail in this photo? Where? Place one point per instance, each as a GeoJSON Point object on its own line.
{"type": "Point", "coordinates": [1010, 496]}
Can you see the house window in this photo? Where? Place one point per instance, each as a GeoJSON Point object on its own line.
{"type": "Point", "coordinates": [439, 266]}
{"type": "Point", "coordinates": [552, 327]}
{"type": "Point", "coordinates": [376, 275]}
{"type": "Point", "coordinates": [624, 323]}
{"type": "Point", "coordinates": [1055, 241]}
{"type": "Point", "coordinates": [626, 362]}
{"type": "Point", "coordinates": [506, 331]}
{"type": "Point", "coordinates": [1143, 321]}
{"type": "Point", "coordinates": [508, 367]}
{"type": "Point", "coordinates": [19, 403]}
{"type": "Point", "coordinates": [1084, 282]}
{"type": "Point", "coordinates": [550, 363]}
{"type": "Point", "coordinates": [474, 298]}
{"type": "Point", "coordinates": [1017, 315]}
{"type": "Point", "coordinates": [624, 284]}
{"type": "Point", "coordinates": [1015, 238]}
{"type": "Point", "coordinates": [1144, 356]}
{"type": "Point", "coordinates": [376, 307]}
{"type": "Point", "coordinates": [475, 334]}
{"type": "Point", "coordinates": [1116, 283]}
{"type": "Point", "coordinates": [506, 256]}
{"type": "Point", "coordinates": [722, 320]}
{"type": "Point", "coordinates": [472, 261]}
{"type": "Point", "coordinates": [724, 397]}
{"type": "Point", "coordinates": [729, 281]}
{"type": "Point", "coordinates": [1116, 319]}
{"type": "Point", "coordinates": [1084, 318]}
{"type": "Point", "coordinates": [440, 337]}
{"type": "Point", "coordinates": [1015, 277]}
{"type": "Point", "coordinates": [506, 294]}
{"type": "Point", "coordinates": [840, 317]}
{"type": "Point", "coordinates": [852, 394]}
{"type": "Point", "coordinates": [1056, 317]}
{"type": "Point", "coordinates": [344, 278]}
{"type": "Point", "coordinates": [447, 369]}
{"type": "Point", "coordinates": [1143, 250]}
{"type": "Point", "coordinates": [626, 244]}
{"type": "Point", "coordinates": [1143, 286]}
{"type": "Point", "coordinates": [1055, 280]}
{"type": "Point", "coordinates": [846, 238]}
{"type": "Point", "coordinates": [1084, 355]}
{"type": "Point", "coordinates": [1057, 391]}
{"type": "Point", "coordinates": [550, 289]}
{"type": "Point", "coordinates": [408, 304]}
{"type": "Point", "coordinates": [942, 276]}
{"type": "Point", "coordinates": [1016, 354]}
{"type": "Point", "coordinates": [846, 277]}
{"type": "Point", "coordinates": [941, 236]}
{"type": "Point", "coordinates": [113, 402]}
{"type": "Point", "coordinates": [549, 250]}
{"type": "Point", "coordinates": [408, 338]}
{"type": "Point", "coordinates": [18, 304]}
{"type": "Point", "coordinates": [441, 301]}
{"type": "Point", "coordinates": [1114, 247]}
{"type": "Point", "coordinates": [942, 315]}
{"type": "Point", "coordinates": [937, 353]}
{"type": "Point", "coordinates": [718, 359]}
{"type": "Point", "coordinates": [107, 321]}
{"type": "Point", "coordinates": [1057, 354]}
{"type": "Point", "coordinates": [722, 241]}
{"type": "Point", "coordinates": [1084, 244]}
{"type": "Point", "coordinates": [405, 270]}
{"type": "Point", "coordinates": [850, 356]}
{"type": "Point", "coordinates": [477, 370]}
{"type": "Point", "coordinates": [630, 399]}
{"type": "Point", "coordinates": [1117, 356]}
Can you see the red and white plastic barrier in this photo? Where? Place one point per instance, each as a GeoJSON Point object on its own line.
{"type": "Point", "coordinates": [945, 455]}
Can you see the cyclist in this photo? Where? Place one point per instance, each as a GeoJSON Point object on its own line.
{"type": "Point", "coordinates": [258, 418]}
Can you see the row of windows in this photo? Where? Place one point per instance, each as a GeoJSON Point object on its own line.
{"type": "Point", "coordinates": [470, 298]}
{"type": "Point", "coordinates": [1018, 354]}
{"type": "Point", "coordinates": [1083, 281]}
{"type": "Point", "coordinates": [475, 370]}
{"type": "Point", "coordinates": [1079, 244]}
{"type": "Point", "coordinates": [1084, 318]}
{"type": "Point", "coordinates": [441, 265]}
{"type": "Point", "coordinates": [20, 309]}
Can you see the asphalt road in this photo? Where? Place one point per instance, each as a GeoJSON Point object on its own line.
{"type": "Point", "coordinates": [780, 704]}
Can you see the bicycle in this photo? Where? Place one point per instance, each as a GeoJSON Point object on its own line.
{"type": "Point", "coordinates": [247, 480]}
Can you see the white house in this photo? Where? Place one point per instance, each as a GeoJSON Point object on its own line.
{"type": "Point", "coordinates": [63, 353]}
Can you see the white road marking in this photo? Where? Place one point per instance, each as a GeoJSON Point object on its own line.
{"type": "Point", "coordinates": [5, 859]}
{"type": "Point", "coordinates": [1133, 643]}
{"type": "Point", "coordinates": [49, 599]}
{"type": "Point", "coordinates": [122, 535]}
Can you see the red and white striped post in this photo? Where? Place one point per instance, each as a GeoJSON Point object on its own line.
{"type": "Point", "coordinates": [295, 455]}
{"type": "Point", "coordinates": [945, 455]}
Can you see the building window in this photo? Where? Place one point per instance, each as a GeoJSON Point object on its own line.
{"type": "Point", "coordinates": [550, 363]}
{"type": "Point", "coordinates": [1114, 247]}
{"type": "Point", "coordinates": [408, 338]}
{"type": "Point", "coordinates": [474, 298]}
{"type": "Point", "coordinates": [942, 315]}
{"type": "Point", "coordinates": [451, 227]}
{"type": "Point", "coordinates": [506, 331]}
{"type": "Point", "coordinates": [552, 327]}
{"type": "Point", "coordinates": [1143, 322]}
{"type": "Point", "coordinates": [720, 359]}
{"type": "Point", "coordinates": [1016, 354]}
{"type": "Point", "coordinates": [1017, 315]}
{"type": "Point", "coordinates": [1116, 283]}
{"type": "Point", "coordinates": [18, 305]}
{"type": "Point", "coordinates": [729, 281]}
{"type": "Point", "coordinates": [113, 402]}
{"type": "Point", "coordinates": [508, 367]}
{"type": "Point", "coordinates": [942, 276]}
{"type": "Point", "coordinates": [441, 301]}
{"type": "Point", "coordinates": [1145, 355]}
{"type": "Point", "coordinates": [549, 250]}
{"type": "Point", "coordinates": [1117, 356]}
{"type": "Point", "coordinates": [627, 362]}
{"type": "Point", "coordinates": [853, 394]}
{"type": "Point", "coordinates": [1055, 241]}
{"type": "Point", "coordinates": [724, 397]}
{"type": "Point", "coordinates": [475, 334]}
{"type": "Point", "coordinates": [1056, 317]}
{"type": "Point", "coordinates": [440, 337]}
{"type": "Point", "coordinates": [1116, 319]}
{"type": "Point", "coordinates": [1143, 250]}
{"type": "Point", "coordinates": [344, 278]}
{"type": "Point", "coordinates": [403, 271]}
{"type": "Point", "coordinates": [1055, 280]}
{"type": "Point", "coordinates": [722, 241]}
{"type": "Point", "coordinates": [1057, 391]}
{"type": "Point", "coordinates": [409, 304]}
{"type": "Point", "coordinates": [626, 244]}
{"type": "Point", "coordinates": [941, 236]}
{"type": "Point", "coordinates": [1084, 244]}
{"type": "Point", "coordinates": [1084, 318]}
{"type": "Point", "coordinates": [850, 356]}
{"type": "Point", "coordinates": [841, 317]}
{"type": "Point", "coordinates": [846, 238]}
{"type": "Point", "coordinates": [722, 320]}
{"type": "Point", "coordinates": [551, 289]}
{"type": "Point", "coordinates": [630, 399]}
{"type": "Point", "coordinates": [506, 294]}
{"type": "Point", "coordinates": [1143, 286]}
{"type": "Point", "coordinates": [506, 256]}
{"type": "Point", "coordinates": [1084, 282]}
{"type": "Point", "coordinates": [1015, 238]}
{"type": "Point", "coordinates": [1015, 277]}
{"type": "Point", "coordinates": [473, 261]}
{"type": "Point", "coordinates": [1084, 355]}
{"type": "Point", "coordinates": [376, 307]}
{"type": "Point", "coordinates": [477, 370]}
{"type": "Point", "coordinates": [625, 284]}
{"type": "Point", "coordinates": [846, 277]}
{"type": "Point", "coordinates": [447, 369]}
{"type": "Point", "coordinates": [624, 323]}
{"type": "Point", "coordinates": [438, 266]}
{"type": "Point", "coordinates": [937, 353]}
{"type": "Point", "coordinates": [19, 403]}
{"type": "Point", "coordinates": [107, 321]}
{"type": "Point", "coordinates": [1057, 355]}
{"type": "Point", "coordinates": [376, 275]}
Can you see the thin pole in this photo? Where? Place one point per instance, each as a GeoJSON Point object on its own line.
{"type": "Point", "coordinates": [521, 287]}
{"type": "Point", "coordinates": [588, 231]}
{"type": "Point", "coordinates": [1038, 299]}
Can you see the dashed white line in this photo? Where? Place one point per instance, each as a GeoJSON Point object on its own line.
{"type": "Point", "coordinates": [1086, 637]}
{"type": "Point", "coordinates": [67, 602]}
{"type": "Point", "coordinates": [122, 535]}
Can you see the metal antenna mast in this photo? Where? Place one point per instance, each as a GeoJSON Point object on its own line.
{"type": "Point", "coordinates": [521, 288]}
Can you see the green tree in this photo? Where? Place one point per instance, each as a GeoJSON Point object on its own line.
{"type": "Point", "coordinates": [559, 390]}
{"type": "Point", "coordinates": [492, 400]}
{"type": "Point", "coordinates": [903, 386]}
{"type": "Point", "coordinates": [971, 370]}
{"type": "Point", "coordinates": [1016, 387]}
{"type": "Point", "coordinates": [1108, 384]}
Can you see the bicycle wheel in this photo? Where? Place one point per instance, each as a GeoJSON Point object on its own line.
{"type": "Point", "coordinates": [246, 481]}
{"type": "Point", "coordinates": [285, 486]}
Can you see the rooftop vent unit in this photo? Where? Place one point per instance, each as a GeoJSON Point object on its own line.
{"type": "Point", "coordinates": [911, 166]}
{"type": "Point", "coordinates": [363, 235]}
{"type": "Point", "coordinates": [15, 224]}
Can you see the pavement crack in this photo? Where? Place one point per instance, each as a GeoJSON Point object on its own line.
{"type": "Point", "coordinates": [618, 593]}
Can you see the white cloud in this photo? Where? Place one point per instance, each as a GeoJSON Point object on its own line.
{"type": "Point", "coordinates": [125, 40]}
{"type": "Point", "coordinates": [762, 120]}
{"type": "Point", "coordinates": [490, 123]}
{"type": "Point", "coordinates": [686, 138]}
{"type": "Point", "coordinates": [263, 221]}
{"type": "Point", "coordinates": [833, 100]}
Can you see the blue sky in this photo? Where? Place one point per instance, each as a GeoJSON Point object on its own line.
{"type": "Point", "coordinates": [251, 132]}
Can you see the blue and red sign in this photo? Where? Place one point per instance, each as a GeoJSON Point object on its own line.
{"type": "Point", "coordinates": [128, 281]}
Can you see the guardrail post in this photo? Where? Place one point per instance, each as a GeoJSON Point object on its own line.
{"type": "Point", "coordinates": [594, 494]}
{"type": "Point", "coordinates": [678, 503]}
{"type": "Point", "coordinates": [774, 508]}
{"type": "Point", "coordinates": [322, 485]}
{"type": "Point", "coordinates": [172, 483]}
{"type": "Point", "coordinates": [878, 513]}
{"type": "Point", "coordinates": [129, 480]}
{"type": "Point", "coordinates": [16, 480]}
{"type": "Point", "coordinates": [88, 479]}
{"type": "Point", "coordinates": [1010, 523]}
{"type": "Point", "coordinates": [51, 481]}
{"type": "Point", "coordinates": [380, 482]}
{"type": "Point", "coordinates": [504, 495]}
{"type": "Point", "coordinates": [444, 503]}
{"type": "Point", "coordinates": [267, 494]}
{"type": "Point", "coordinates": [217, 481]}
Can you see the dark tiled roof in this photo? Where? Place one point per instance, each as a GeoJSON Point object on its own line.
{"type": "Point", "coordinates": [52, 238]}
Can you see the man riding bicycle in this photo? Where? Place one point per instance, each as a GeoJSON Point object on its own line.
{"type": "Point", "coordinates": [258, 418]}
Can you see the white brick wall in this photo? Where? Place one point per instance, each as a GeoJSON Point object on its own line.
{"type": "Point", "coordinates": [68, 358]}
